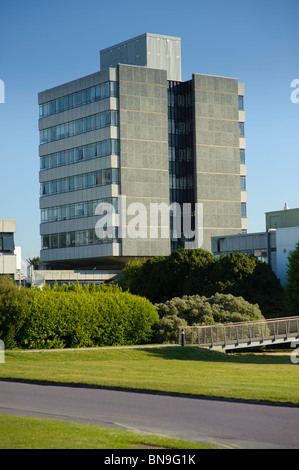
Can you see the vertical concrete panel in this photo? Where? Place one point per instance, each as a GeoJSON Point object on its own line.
{"type": "Point", "coordinates": [143, 122]}
{"type": "Point", "coordinates": [216, 122]}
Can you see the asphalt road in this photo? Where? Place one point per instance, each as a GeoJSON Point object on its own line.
{"type": "Point", "coordinates": [229, 425]}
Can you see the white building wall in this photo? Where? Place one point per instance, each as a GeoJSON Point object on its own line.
{"type": "Point", "coordinates": [286, 240]}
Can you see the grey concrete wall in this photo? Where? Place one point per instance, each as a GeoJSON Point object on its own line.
{"type": "Point", "coordinates": [144, 166]}
{"type": "Point", "coordinates": [149, 50]}
{"type": "Point", "coordinates": [217, 155]}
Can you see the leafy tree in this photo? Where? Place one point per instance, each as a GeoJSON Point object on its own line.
{"type": "Point", "coordinates": [35, 262]}
{"type": "Point", "coordinates": [246, 276]}
{"type": "Point", "coordinates": [162, 278]}
{"type": "Point", "coordinates": [190, 272]}
{"type": "Point", "coordinates": [292, 285]}
{"type": "Point", "coordinates": [129, 279]}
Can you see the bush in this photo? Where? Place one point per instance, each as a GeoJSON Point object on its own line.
{"type": "Point", "coordinates": [197, 310]}
{"type": "Point", "coordinates": [14, 301]}
{"type": "Point", "coordinates": [75, 316]}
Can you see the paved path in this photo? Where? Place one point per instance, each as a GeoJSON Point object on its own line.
{"type": "Point", "coordinates": [222, 423]}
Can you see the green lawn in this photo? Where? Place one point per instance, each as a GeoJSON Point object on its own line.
{"type": "Point", "coordinates": [188, 370]}
{"type": "Point", "coordinates": [35, 433]}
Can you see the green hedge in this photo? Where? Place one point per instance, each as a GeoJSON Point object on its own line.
{"type": "Point", "coordinates": [76, 316]}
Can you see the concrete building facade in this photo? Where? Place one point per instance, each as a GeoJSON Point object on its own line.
{"type": "Point", "coordinates": [134, 129]}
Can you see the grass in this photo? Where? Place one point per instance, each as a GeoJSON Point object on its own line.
{"type": "Point", "coordinates": [188, 370]}
{"type": "Point", "coordinates": [36, 433]}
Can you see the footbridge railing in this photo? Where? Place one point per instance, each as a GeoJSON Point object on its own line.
{"type": "Point", "coordinates": [241, 335]}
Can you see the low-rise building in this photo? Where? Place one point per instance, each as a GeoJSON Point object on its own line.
{"type": "Point", "coordinates": [8, 257]}
{"type": "Point", "coordinates": [272, 246]}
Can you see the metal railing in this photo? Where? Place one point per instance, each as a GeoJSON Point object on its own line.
{"type": "Point", "coordinates": [241, 335]}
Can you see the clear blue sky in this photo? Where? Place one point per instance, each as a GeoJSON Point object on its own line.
{"type": "Point", "coordinates": [47, 43]}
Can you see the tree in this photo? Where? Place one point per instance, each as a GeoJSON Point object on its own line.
{"type": "Point", "coordinates": [292, 285]}
{"type": "Point", "coordinates": [161, 278]}
{"type": "Point", "coordinates": [35, 262]}
{"type": "Point", "coordinates": [248, 277]}
{"type": "Point", "coordinates": [196, 271]}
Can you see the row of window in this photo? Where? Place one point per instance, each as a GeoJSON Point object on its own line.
{"type": "Point", "coordinates": [79, 126]}
{"type": "Point", "coordinates": [77, 182]}
{"type": "Point", "coordinates": [72, 239]}
{"type": "Point", "coordinates": [185, 154]}
{"type": "Point", "coordinates": [79, 154]}
{"type": "Point", "coordinates": [80, 98]}
{"type": "Point", "coordinates": [74, 211]}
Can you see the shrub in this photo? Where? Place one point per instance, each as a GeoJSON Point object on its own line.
{"type": "Point", "coordinates": [13, 310]}
{"type": "Point", "coordinates": [197, 310]}
{"type": "Point", "coordinates": [75, 316]}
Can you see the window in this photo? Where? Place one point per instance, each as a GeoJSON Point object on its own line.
{"type": "Point", "coordinates": [83, 181]}
{"type": "Point", "coordinates": [241, 102]}
{"type": "Point", "coordinates": [242, 130]}
{"type": "Point", "coordinates": [243, 209]}
{"type": "Point", "coordinates": [80, 126]}
{"type": "Point", "coordinates": [243, 183]}
{"type": "Point", "coordinates": [242, 155]}
{"type": "Point", "coordinates": [69, 239]}
{"type": "Point", "coordinates": [88, 95]}
{"type": "Point", "coordinates": [45, 242]}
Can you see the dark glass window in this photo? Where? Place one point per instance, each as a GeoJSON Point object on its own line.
{"type": "Point", "coordinates": [243, 183]}
{"type": "Point", "coordinates": [79, 98]}
{"type": "Point", "coordinates": [242, 129]}
{"type": "Point", "coordinates": [242, 155]}
{"type": "Point", "coordinates": [241, 102]}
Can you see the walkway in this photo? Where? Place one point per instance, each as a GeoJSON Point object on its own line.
{"type": "Point", "coordinates": [241, 335]}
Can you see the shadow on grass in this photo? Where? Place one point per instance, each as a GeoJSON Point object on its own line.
{"type": "Point", "coordinates": [194, 353]}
